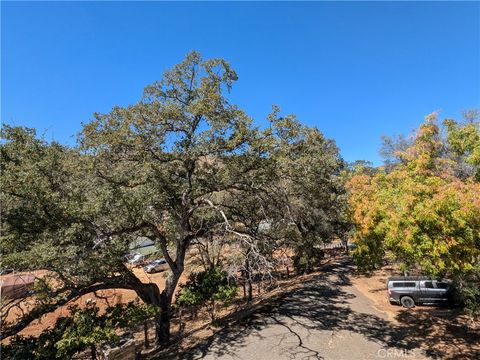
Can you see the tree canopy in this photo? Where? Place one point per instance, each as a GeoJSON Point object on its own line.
{"type": "Point", "coordinates": [423, 212]}
{"type": "Point", "coordinates": [181, 165]}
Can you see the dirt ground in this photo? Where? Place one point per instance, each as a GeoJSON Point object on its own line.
{"type": "Point", "coordinates": [446, 332]}
{"type": "Point", "coordinates": [103, 299]}
{"type": "Point", "coordinates": [443, 332]}
{"type": "Point", "coordinates": [440, 333]}
{"type": "Point", "coordinates": [106, 298]}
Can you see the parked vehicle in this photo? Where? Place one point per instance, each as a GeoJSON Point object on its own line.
{"type": "Point", "coordinates": [135, 259]}
{"type": "Point", "coordinates": [156, 266]}
{"type": "Point", "coordinates": [409, 291]}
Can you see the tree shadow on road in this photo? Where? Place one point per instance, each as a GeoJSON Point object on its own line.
{"type": "Point", "coordinates": [444, 332]}
{"type": "Point", "coordinates": [319, 304]}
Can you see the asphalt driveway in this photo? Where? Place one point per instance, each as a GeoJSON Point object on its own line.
{"type": "Point", "coordinates": [326, 318]}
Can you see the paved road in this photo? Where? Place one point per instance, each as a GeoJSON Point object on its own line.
{"type": "Point", "coordinates": [326, 318]}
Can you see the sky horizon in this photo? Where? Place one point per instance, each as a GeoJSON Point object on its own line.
{"type": "Point", "coordinates": [356, 71]}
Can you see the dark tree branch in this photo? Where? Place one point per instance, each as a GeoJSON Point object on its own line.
{"type": "Point", "coordinates": [66, 295]}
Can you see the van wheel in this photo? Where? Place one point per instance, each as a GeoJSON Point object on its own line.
{"type": "Point", "coordinates": [407, 302]}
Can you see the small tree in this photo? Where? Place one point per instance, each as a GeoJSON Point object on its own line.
{"type": "Point", "coordinates": [87, 329]}
{"type": "Point", "coordinates": [207, 288]}
{"type": "Point", "coordinates": [306, 258]}
{"type": "Point", "coordinates": [82, 329]}
{"type": "Point", "coordinates": [21, 348]}
{"type": "Point", "coordinates": [131, 315]}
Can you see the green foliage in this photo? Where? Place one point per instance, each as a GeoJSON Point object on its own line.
{"type": "Point", "coordinates": [31, 348]}
{"type": "Point", "coordinates": [207, 288]}
{"type": "Point", "coordinates": [131, 314]}
{"type": "Point", "coordinates": [307, 256]}
{"type": "Point", "coordinates": [158, 168]}
{"type": "Point", "coordinates": [420, 212]}
{"type": "Point", "coordinates": [305, 263]}
{"type": "Point", "coordinates": [88, 329]}
{"type": "Point", "coordinates": [203, 286]}
{"type": "Point", "coordinates": [181, 164]}
{"type": "Point", "coordinates": [467, 286]}
{"type": "Point", "coordinates": [53, 211]}
{"type": "Point", "coordinates": [369, 252]}
{"type": "Point", "coordinates": [83, 329]}
{"type": "Point", "coordinates": [309, 195]}
{"type": "Point", "coordinates": [464, 142]}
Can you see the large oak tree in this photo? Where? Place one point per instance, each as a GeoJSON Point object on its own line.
{"type": "Point", "coordinates": [181, 165]}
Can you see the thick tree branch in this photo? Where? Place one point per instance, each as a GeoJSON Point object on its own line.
{"type": "Point", "coordinates": [163, 246]}
{"type": "Point", "coordinates": [67, 295]}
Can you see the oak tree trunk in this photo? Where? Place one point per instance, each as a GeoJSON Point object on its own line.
{"type": "Point", "coordinates": [145, 333]}
{"type": "Point", "coordinates": [163, 319]}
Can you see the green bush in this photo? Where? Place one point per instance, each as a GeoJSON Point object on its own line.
{"type": "Point", "coordinates": [84, 329]}
{"type": "Point", "coordinates": [467, 292]}
{"type": "Point", "coordinates": [23, 348]}
{"type": "Point", "coordinates": [207, 288]}
{"type": "Point", "coordinates": [306, 261]}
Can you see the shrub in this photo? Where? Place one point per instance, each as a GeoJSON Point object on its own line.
{"type": "Point", "coordinates": [305, 261]}
{"type": "Point", "coordinates": [207, 288]}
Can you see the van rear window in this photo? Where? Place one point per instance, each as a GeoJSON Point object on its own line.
{"type": "Point", "coordinates": [403, 284]}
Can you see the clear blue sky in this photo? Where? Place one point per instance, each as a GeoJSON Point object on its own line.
{"type": "Point", "coordinates": [355, 70]}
